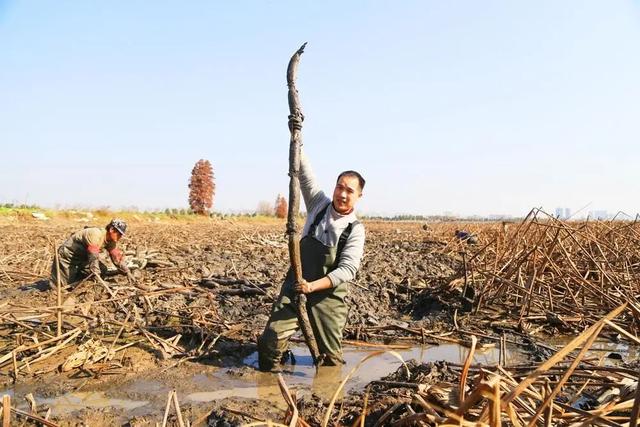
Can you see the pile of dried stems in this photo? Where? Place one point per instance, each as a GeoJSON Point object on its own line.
{"type": "Point", "coordinates": [566, 274]}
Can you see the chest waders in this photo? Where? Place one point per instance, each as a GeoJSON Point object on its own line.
{"type": "Point", "coordinates": [327, 309]}
{"type": "Point", "coordinates": [74, 259]}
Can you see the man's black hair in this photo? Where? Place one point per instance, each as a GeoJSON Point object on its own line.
{"type": "Point", "coordinates": [353, 174]}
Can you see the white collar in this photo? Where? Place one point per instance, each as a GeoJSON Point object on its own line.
{"type": "Point", "coordinates": [337, 215]}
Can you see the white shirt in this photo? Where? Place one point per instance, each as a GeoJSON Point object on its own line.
{"type": "Point", "coordinates": [331, 226]}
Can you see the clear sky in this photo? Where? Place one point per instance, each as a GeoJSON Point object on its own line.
{"type": "Point", "coordinates": [471, 107]}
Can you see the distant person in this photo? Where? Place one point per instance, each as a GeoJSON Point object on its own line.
{"type": "Point", "coordinates": [465, 236]}
{"type": "Point", "coordinates": [331, 249]}
{"type": "Point", "coordinates": [78, 255]}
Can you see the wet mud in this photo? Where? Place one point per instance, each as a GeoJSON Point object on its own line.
{"type": "Point", "coordinates": [205, 289]}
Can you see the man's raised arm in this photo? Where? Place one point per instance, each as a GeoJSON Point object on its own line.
{"type": "Point", "coordinates": [311, 192]}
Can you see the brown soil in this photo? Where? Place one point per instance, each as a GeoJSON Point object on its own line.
{"type": "Point", "coordinates": [182, 291]}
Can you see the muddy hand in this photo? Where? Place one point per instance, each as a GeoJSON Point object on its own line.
{"type": "Point", "coordinates": [295, 122]}
{"type": "Point", "coordinates": [304, 287]}
{"type": "Point", "coordinates": [99, 279]}
{"type": "Point", "coordinates": [131, 278]}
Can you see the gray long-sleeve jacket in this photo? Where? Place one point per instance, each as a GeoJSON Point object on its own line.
{"type": "Point", "coordinates": [331, 226]}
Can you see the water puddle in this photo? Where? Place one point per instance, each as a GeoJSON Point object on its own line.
{"type": "Point", "coordinates": [302, 376]}
{"type": "Point", "coordinates": [72, 402]}
{"type": "Point", "coordinates": [612, 352]}
{"type": "Point", "coordinates": [146, 396]}
{"type": "Point", "coordinates": [266, 390]}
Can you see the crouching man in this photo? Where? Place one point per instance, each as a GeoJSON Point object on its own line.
{"type": "Point", "coordinates": [78, 255]}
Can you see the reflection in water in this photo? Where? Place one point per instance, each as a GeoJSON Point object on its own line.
{"type": "Point", "coordinates": [326, 382]}
{"type": "Point", "coordinates": [71, 402]}
{"type": "Point", "coordinates": [603, 347]}
{"type": "Point", "coordinates": [303, 378]}
{"type": "Point", "coordinates": [265, 387]}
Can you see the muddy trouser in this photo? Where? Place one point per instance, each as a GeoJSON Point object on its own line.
{"type": "Point", "coordinates": [327, 313]}
{"type": "Point", "coordinates": [327, 309]}
{"type": "Point", "coordinates": [71, 271]}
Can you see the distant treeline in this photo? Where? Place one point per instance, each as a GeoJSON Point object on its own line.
{"type": "Point", "coordinates": [106, 210]}
{"type": "Point", "coordinates": [16, 206]}
{"type": "Point", "coordinates": [434, 218]}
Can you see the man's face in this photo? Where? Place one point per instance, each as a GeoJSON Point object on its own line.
{"type": "Point", "coordinates": [113, 235]}
{"type": "Point", "coordinates": [346, 194]}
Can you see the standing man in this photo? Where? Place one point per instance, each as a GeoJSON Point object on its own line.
{"type": "Point", "coordinates": [331, 249]}
{"type": "Point", "coordinates": [78, 255]}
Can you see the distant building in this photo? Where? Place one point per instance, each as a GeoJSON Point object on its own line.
{"type": "Point", "coordinates": [498, 217]}
{"type": "Point", "coordinates": [599, 215]}
{"type": "Point", "coordinates": [563, 213]}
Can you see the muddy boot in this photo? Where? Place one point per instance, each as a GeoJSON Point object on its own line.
{"type": "Point", "coordinates": [288, 356]}
{"type": "Point", "coordinates": [327, 359]}
{"type": "Point", "coordinates": [268, 358]}
{"type": "Point", "coordinates": [267, 364]}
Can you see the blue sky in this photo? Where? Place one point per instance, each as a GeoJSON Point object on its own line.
{"type": "Point", "coordinates": [467, 107]}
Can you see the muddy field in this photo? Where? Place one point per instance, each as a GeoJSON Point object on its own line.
{"type": "Point", "coordinates": [517, 296]}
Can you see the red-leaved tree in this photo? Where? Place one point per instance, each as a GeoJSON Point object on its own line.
{"type": "Point", "coordinates": [281, 206]}
{"type": "Point", "coordinates": [201, 187]}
